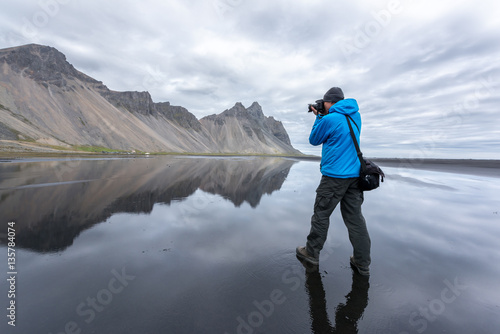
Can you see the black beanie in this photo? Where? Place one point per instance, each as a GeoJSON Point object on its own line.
{"type": "Point", "coordinates": [334, 94]}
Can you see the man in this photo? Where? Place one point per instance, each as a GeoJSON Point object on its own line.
{"type": "Point", "coordinates": [340, 167]}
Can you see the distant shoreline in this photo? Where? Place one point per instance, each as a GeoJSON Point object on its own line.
{"type": "Point", "coordinates": [464, 166]}
{"type": "Point", "coordinates": [414, 163]}
{"type": "Point", "coordinates": [482, 167]}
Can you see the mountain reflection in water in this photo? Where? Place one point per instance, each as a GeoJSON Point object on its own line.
{"type": "Point", "coordinates": [52, 202]}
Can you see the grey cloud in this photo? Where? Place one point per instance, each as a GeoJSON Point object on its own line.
{"type": "Point", "coordinates": [415, 77]}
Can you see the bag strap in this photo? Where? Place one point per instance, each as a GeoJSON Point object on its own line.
{"type": "Point", "coordinates": [353, 122]}
{"type": "Point", "coordinates": [360, 155]}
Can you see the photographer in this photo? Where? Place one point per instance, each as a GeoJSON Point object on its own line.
{"type": "Point", "coordinates": [340, 167]}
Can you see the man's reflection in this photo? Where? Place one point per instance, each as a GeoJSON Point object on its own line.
{"type": "Point", "coordinates": [346, 315]}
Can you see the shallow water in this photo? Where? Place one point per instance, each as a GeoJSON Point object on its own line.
{"type": "Point", "coordinates": [207, 245]}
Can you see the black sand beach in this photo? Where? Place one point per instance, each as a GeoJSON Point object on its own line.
{"type": "Point", "coordinates": [461, 166]}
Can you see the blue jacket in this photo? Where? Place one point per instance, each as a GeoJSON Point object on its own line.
{"type": "Point", "coordinates": [339, 158]}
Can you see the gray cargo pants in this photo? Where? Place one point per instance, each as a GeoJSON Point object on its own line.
{"type": "Point", "coordinates": [330, 192]}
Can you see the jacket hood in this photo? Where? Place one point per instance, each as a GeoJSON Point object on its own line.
{"type": "Point", "coordinates": [345, 107]}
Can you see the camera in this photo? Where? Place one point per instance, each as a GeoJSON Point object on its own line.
{"type": "Point", "coordinates": [319, 106]}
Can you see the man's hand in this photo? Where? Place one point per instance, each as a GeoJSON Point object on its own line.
{"type": "Point", "coordinates": [314, 111]}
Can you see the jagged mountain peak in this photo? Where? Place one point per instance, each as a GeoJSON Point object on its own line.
{"type": "Point", "coordinates": [255, 110]}
{"type": "Point", "coordinates": [238, 110]}
{"type": "Point", "coordinates": [35, 50]}
{"type": "Point", "coordinates": [47, 101]}
{"type": "Point", "coordinates": [42, 63]}
{"type": "Point", "coordinates": [133, 101]}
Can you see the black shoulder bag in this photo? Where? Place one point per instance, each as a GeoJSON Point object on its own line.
{"type": "Point", "coordinates": [370, 174]}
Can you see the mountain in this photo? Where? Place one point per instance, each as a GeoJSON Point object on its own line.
{"type": "Point", "coordinates": [247, 130]}
{"type": "Point", "coordinates": [45, 100]}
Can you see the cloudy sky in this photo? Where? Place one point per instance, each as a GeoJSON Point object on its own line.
{"type": "Point", "coordinates": [426, 74]}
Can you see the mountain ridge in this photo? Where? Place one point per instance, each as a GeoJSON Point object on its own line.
{"type": "Point", "coordinates": [44, 99]}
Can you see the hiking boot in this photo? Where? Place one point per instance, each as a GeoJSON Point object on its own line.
{"type": "Point", "coordinates": [302, 253]}
{"type": "Point", "coordinates": [361, 270]}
